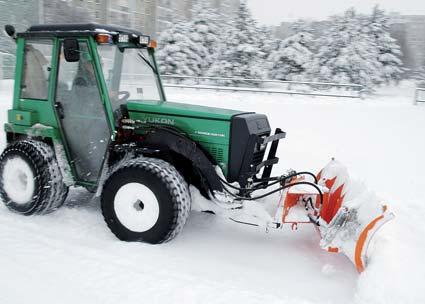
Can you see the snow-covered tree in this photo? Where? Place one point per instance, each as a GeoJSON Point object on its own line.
{"type": "Point", "coordinates": [240, 56]}
{"type": "Point", "coordinates": [348, 54]}
{"type": "Point", "coordinates": [267, 43]}
{"type": "Point", "coordinates": [178, 54]}
{"type": "Point", "coordinates": [388, 50]}
{"type": "Point", "coordinates": [293, 55]}
{"type": "Point", "coordinates": [190, 47]}
{"type": "Point", "coordinates": [204, 31]}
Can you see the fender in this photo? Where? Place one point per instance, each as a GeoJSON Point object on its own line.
{"type": "Point", "coordinates": [167, 139]}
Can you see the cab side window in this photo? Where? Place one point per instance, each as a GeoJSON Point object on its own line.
{"type": "Point", "coordinates": [36, 70]}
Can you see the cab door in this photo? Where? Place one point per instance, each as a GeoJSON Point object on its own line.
{"type": "Point", "coordinates": [82, 115]}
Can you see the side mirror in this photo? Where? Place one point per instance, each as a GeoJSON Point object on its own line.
{"type": "Point", "coordinates": [71, 50]}
{"type": "Point", "coordinates": [10, 30]}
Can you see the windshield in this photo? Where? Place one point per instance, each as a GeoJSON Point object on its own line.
{"type": "Point", "coordinates": [129, 74]}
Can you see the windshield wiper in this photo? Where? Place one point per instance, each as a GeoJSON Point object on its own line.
{"type": "Point", "coordinates": [147, 62]}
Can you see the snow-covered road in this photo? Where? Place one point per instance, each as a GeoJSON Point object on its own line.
{"type": "Point", "coordinates": [71, 257]}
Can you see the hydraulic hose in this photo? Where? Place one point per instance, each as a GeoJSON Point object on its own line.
{"type": "Point", "coordinates": [276, 179]}
{"type": "Point", "coordinates": [240, 198]}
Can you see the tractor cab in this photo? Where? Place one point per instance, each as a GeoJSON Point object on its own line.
{"type": "Point", "coordinates": [116, 63]}
{"type": "Point", "coordinates": [75, 78]}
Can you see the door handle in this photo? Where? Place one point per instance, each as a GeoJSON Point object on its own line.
{"type": "Point", "coordinates": [59, 110]}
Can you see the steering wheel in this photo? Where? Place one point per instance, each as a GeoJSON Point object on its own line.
{"type": "Point", "coordinates": [126, 95]}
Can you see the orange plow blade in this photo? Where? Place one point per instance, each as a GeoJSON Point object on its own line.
{"type": "Point", "coordinates": [347, 215]}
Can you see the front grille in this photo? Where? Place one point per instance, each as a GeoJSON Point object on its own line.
{"type": "Point", "coordinates": [217, 154]}
{"type": "Point", "coordinates": [258, 157]}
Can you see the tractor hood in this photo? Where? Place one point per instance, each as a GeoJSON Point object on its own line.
{"type": "Point", "coordinates": [181, 109]}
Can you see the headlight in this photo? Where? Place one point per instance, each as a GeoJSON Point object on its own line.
{"type": "Point", "coordinates": [123, 38]}
{"type": "Point", "coordinates": [144, 40]}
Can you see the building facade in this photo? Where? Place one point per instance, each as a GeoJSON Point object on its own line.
{"type": "Point", "coordinates": [410, 34]}
{"type": "Point", "coordinates": [149, 16]}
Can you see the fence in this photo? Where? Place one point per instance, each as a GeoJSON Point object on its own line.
{"type": "Point", "coordinates": [267, 86]}
{"type": "Point", "coordinates": [418, 96]}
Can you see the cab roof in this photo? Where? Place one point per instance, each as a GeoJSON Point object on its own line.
{"type": "Point", "coordinates": [77, 29]}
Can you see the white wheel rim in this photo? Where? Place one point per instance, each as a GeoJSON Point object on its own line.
{"type": "Point", "coordinates": [18, 180]}
{"type": "Point", "coordinates": [136, 207]}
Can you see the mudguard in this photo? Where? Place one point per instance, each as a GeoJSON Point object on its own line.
{"type": "Point", "coordinates": [166, 139]}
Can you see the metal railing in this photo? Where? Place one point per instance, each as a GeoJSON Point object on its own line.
{"type": "Point", "coordinates": [418, 97]}
{"type": "Point", "coordinates": [315, 88]}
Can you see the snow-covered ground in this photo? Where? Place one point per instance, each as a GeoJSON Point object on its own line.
{"type": "Point", "coordinates": [71, 257]}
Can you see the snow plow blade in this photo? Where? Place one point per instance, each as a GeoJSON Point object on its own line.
{"type": "Point", "coordinates": [347, 215]}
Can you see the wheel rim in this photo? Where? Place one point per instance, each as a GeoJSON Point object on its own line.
{"type": "Point", "coordinates": [136, 207]}
{"type": "Point", "coordinates": [18, 180]}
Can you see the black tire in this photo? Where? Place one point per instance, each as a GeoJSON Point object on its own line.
{"type": "Point", "coordinates": [169, 189]}
{"type": "Point", "coordinates": [49, 192]}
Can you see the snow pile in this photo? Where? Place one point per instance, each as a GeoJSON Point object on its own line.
{"type": "Point", "coordinates": [70, 256]}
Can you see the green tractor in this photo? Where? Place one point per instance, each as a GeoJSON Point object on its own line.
{"type": "Point", "coordinates": [89, 110]}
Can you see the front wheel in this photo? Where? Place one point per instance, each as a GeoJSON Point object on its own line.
{"type": "Point", "coordinates": [147, 200]}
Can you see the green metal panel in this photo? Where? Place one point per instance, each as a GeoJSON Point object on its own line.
{"type": "Point", "coordinates": [24, 118]}
{"type": "Point", "coordinates": [181, 109]}
{"type": "Point", "coordinates": [36, 130]}
{"type": "Point", "coordinates": [43, 109]}
{"type": "Point", "coordinates": [211, 134]}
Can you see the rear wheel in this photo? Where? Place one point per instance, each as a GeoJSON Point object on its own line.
{"type": "Point", "coordinates": [145, 199]}
{"type": "Point", "coordinates": [30, 178]}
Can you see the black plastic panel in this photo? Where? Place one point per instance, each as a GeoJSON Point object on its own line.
{"type": "Point", "coordinates": [242, 128]}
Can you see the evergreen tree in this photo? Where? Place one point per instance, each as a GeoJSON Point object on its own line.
{"type": "Point", "coordinates": [294, 55]}
{"type": "Point", "coordinates": [240, 56]}
{"type": "Point", "coordinates": [388, 50]}
{"type": "Point", "coordinates": [178, 54]}
{"type": "Point", "coordinates": [348, 53]}
{"type": "Point", "coordinates": [204, 31]}
{"type": "Point", "coordinates": [267, 43]}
